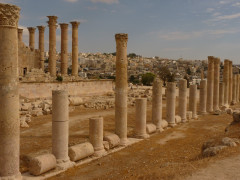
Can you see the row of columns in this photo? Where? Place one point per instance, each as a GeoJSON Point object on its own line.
{"type": "Point", "coordinates": [52, 24]}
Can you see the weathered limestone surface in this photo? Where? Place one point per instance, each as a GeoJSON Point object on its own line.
{"type": "Point", "coordinates": [96, 135]}
{"type": "Point", "coordinates": [60, 125]}
{"type": "Point", "coordinates": [151, 128]}
{"type": "Point", "coordinates": [41, 30]}
{"type": "Point", "coordinates": [112, 139]}
{"type": "Point", "coordinates": [193, 100]}
{"type": "Point", "coordinates": [226, 81]}
{"type": "Point", "coordinates": [203, 97]}
{"type": "Point", "coordinates": [52, 23]}
{"type": "Point", "coordinates": [238, 81]}
{"type": "Point", "coordinates": [182, 100]}
{"type": "Point", "coordinates": [157, 103]}
{"type": "Point", "coordinates": [234, 90]}
{"type": "Point", "coordinates": [141, 118]}
{"type": "Point", "coordinates": [64, 48]}
{"type": "Point", "coordinates": [121, 88]}
{"type": "Point", "coordinates": [75, 25]}
{"type": "Point", "coordinates": [9, 106]}
{"type": "Point", "coordinates": [171, 101]}
{"type": "Point", "coordinates": [210, 83]}
{"type": "Point", "coordinates": [31, 37]}
{"type": "Point", "coordinates": [80, 151]}
{"type": "Point", "coordinates": [216, 84]}
{"type": "Point", "coordinates": [221, 93]}
{"type": "Point", "coordinates": [230, 83]}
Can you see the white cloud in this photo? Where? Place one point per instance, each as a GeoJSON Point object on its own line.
{"type": "Point", "coordinates": [209, 10]}
{"type": "Point", "coordinates": [106, 1]}
{"type": "Point", "coordinates": [228, 17]}
{"type": "Point", "coordinates": [71, 1]}
{"type": "Point", "coordinates": [237, 4]}
{"type": "Point", "coordinates": [224, 2]}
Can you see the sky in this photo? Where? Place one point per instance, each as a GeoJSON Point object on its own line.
{"type": "Point", "coordinates": [188, 29]}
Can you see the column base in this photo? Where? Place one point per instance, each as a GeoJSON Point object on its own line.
{"type": "Point", "coordinates": [100, 152]}
{"type": "Point", "coordinates": [195, 117]}
{"type": "Point", "coordinates": [183, 120]}
{"type": "Point", "coordinates": [65, 164]}
{"type": "Point", "coordinates": [143, 136]}
{"type": "Point", "coordinates": [159, 130]}
{"type": "Point", "coordinates": [14, 177]}
{"type": "Point", "coordinates": [233, 102]}
{"type": "Point", "coordinates": [172, 124]}
{"type": "Point", "coordinates": [123, 142]}
{"type": "Point", "coordinates": [203, 113]}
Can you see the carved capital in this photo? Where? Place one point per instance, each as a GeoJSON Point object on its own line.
{"type": "Point", "coordinates": [217, 61]}
{"type": "Point", "coordinates": [75, 24]}
{"type": "Point", "coordinates": [41, 29]}
{"type": "Point", "coordinates": [211, 59]}
{"type": "Point", "coordinates": [63, 25]}
{"type": "Point", "coordinates": [121, 39]}
{"type": "Point", "coordinates": [20, 31]}
{"type": "Point", "coordinates": [52, 20]}
{"type": "Point", "coordinates": [9, 15]}
{"type": "Point", "coordinates": [31, 29]}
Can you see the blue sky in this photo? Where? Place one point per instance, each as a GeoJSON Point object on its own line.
{"type": "Point", "coordinates": [189, 29]}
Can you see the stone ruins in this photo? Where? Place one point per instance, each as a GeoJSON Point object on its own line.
{"type": "Point", "coordinates": [17, 59]}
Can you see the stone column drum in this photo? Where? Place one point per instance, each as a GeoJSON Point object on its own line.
{"type": "Point", "coordinates": [171, 101]}
{"type": "Point", "coordinates": [96, 135]}
{"type": "Point", "coordinates": [121, 88]}
{"type": "Point", "coordinates": [237, 96]}
{"type": "Point", "coordinates": [203, 97]}
{"type": "Point", "coordinates": [193, 100]}
{"type": "Point", "coordinates": [210, 83]}
{"type": "Point", "coordinates": [221, 93]}
{"type": "Point", "coordinates": [64, 48]}
{"type": "Point", "coordinates": [31, 37]}
{"type": "Point", "coordinates": [216, 84]}
{"type": "Point", "coordinates": [157, 103]}
{"type": "Point", "coordinates": [60, 125]}
{"type": "Point", "coordinates": [41, 30]}
{"type": "Point", "coordinates": [230, 82]}
{"type": "Point", "coordinates": [234, 90]}
{"type": "Point", "coordinates": [20, 34]}
{"type": "Point", "coordinates": [226, 81]}
{"type": "Point", "coordinates": [141, 118]}
{"type": "Point", "coordinates": [182, 99]}
{"type": "Point", "coordinates": [52, 24]}
{"type": "Point", "coordinates": [9, 95]}
{"type": "Point", "coordinates": [75, 25]}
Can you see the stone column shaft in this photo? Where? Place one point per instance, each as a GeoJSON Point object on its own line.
{"type": "Point", "coordinates": [182, 100]}
{"type": "Point", "coordinates": [193, 100]}
{"type": "Point", "coordinates": [41, 30]}
{"type": "Point", "coordinates": [226, 81]}
{"type": "Point", "coordinates": [216, 84]}
{"type": "Point", "coordinates": [171, 101]}
{"type": "Point", "coordinates": [210, 83]}
{"type": "Point", "coordinates": [234, 90]}
{"type": "Point", "coordinates": [75, 25]}
{"type": "Point", "coordinates": [121, 88]}
{"type": "Point", "coordinates": [238, 81]}
{"type": "Point", "coordinates": [230, 82]}
{"type": "Point", "coordinates": [52, 23]}
{"type": "Point", "coordinates": [9, 95]}
{"type": "Point", "coordinates": [141, 118]}
{"type": "Point", "coordinates": [20, 34]}
{"type": "Point", "coordinates": [31, 37]}
{"type": "Point", "coordinates": [203, 97]}
{"type": "Point", "coordinates": [60, 125]}
{"type": "Point", "coordinates": [221, 93]}
{"type": "Point", "coordinates": [64, 48]}
{"type": "Point", "coordinates": [157, 103]}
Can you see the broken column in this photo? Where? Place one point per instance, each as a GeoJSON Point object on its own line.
{"type": "Point", "coordinates": [216, 84]}
{"type": "Point", "coordinates": [121, 88]}
{"type": "Point", "coordinates": [210, 83]}
{"type": "Point", "coordinates": [60, 126]}
{"type": "Point", "coordinates": [221, 94]}
{"type": "Point", "coordinates": [75, 25]}
{"type": "Point", "coordinates": [9, 106]}
{"type": "Point", "coordinates": [226, 81]}
{"type": "Point", "coordinates": [203, 97]}
{"type": "Point", "coordinates": [31, 37]}
{"type": "Point", "coordinates": [157, 104]}
{"type": "Point", "coordinates": [20, 34]}
{"type": "Point", "coordinates": [170, 106]}
{"type": "Point", "coordinates": [96, 135]}
{"type": "Point", "coordinates": [234, 90]}
{"type": "Point", "coordinates": [193, 100]}
{"type": "Point", "coordinates": [41, 30]}
{"type": "Point", "coordinates": [64, 48]}
{"type": "Point", "coordinates": [182, 99]}
{"type": "Point", "coordinates": [141, 118]}
{"type": "Point", "coordinates": [52, 23]}
{"type": "Point", "coordinates": [230, 82]}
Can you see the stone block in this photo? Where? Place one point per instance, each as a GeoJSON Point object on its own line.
{"type": "Point", "coordinates": [151, 128]}
{"type": "Point", "coordinates": [80, 151]}
{"type": "Point", "coordinates": [112, 139]}
{"type": "Point", "coordinates": [164, 123]}
{"type": "Point", "coordinates": [178, 119]}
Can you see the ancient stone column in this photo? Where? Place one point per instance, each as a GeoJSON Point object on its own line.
{"type": "Point", "coordinates": [9, 95]}
{"type": "Point", "coordinates": [141, 118]}
{"type": "Point", "coordinates": [41, 30]}
{"type": "Point", "coordinates": [52, 24]}
{"type": "Point", "coordinates": [234, 90]}
{"type": "Point", "coordinates": [216, 84]}
{"type": "Point", "coordinates": [210, 83]}
{"type": "Point", "coordinates": [121, 87]}
{"type": "Point", "coordinates": [171, 101]}
{"type": "Point", "coordinates": [230, 82]}
{"type": "Point", "coordinates": [238, 81]}
{"type": "Point", "coordinates": [221, 93]}
{"type": "Point", "coordinates": [60, 125]}
{"type": "Point", "coordinates": [203, 97]}
{"type": "Point", "coordinates": [64, 48]}
{"type": "Point", "coordinates": [182, 99]}
{"type": "Point", "coordinates": [193, 100]}
{"type": "Point", "coordinates": [226, 81]}
{"type": "Point", "coordinates": [75, 25]}
{"type": "Point", "coordinates": [20, 34]}
{"type": "Point", "coordinates": [202, 74]}
{"type": "Point", "coordinates": [31, 37]}
{"type": "Point", "coordinates": [96, 135]}
{"type": "Point", "coordinates": [157, 104]}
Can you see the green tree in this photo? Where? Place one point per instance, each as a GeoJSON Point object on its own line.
{"type": "Point", "coordinates": [166, 75]}
{"type": "Point", "coordinates": [147, 79]}
{"type": "Point", "coordinates": [188, 71]}
{"type": "Point", "coordinates": [132, 55]}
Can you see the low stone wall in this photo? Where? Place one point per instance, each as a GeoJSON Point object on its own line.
{"type": "Point", "coordinates": [80, 88]}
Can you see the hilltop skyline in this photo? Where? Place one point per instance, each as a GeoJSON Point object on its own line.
{"type": "Point", "coordinates": [187, 29]}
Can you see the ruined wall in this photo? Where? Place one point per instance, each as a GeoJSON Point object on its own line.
{"type": "Point", "coordinates": [82, 88]}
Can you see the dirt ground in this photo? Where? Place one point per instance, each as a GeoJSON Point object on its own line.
{"type": "Point", "coordinates": [173, 154]}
